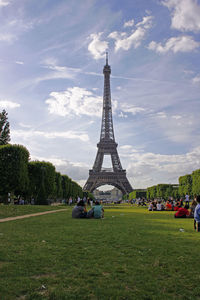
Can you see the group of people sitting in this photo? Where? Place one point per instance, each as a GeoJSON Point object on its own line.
{"type": "Point", "coordinates": [182, 210]}
{"type": "Point", "coordinates": [80, 211]}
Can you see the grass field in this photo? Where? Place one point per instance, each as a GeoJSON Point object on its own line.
{"type": "Point", "coordinates": [20, 210]}
{"type": "Point", "coordinates": [131, 254]}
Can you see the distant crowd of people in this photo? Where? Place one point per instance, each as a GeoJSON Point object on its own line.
{"type": "Point", "coordinates": [182, 207]}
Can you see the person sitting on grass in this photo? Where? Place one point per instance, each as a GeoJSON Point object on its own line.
{"type": "Point", "coordinates": [79, 211]}
{"type": "Point", "coordinates": [150, 207]}
{"type": "Point", "coordinates": [182, 212]}
{"type": "Point", "coordinates": [168, 205]}
{"type": "Point", "coordinates": [98, 211]}
{"type": "Point", "coordinates": [177, 206]}
{"type": "Point", "coordinates": [197, 215]}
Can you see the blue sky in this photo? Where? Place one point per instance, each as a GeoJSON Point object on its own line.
{"type": "Point", "coordinates": [51, 83]}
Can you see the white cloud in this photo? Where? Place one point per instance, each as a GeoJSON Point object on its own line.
{"type": "Point", "coordinates": [24, 125]}
{"type": "Point", "coordinates": [7, 37]}
{"type": "Point", "coordinates": [131, 108]}
{"type": "Point", "coordinates": [129, 23]}
{"type": "Point", "coordinates": [196, 79]}
{"type": "Point", "coordinates": [97, 47]}
{"type": "Point", "coordinates": [128, 149]}
{"type": "Point", "coordinates": [19, 62]}
{"type": "Point", "coordinates": [185, 14]}
{"type": "Point", "coordinates": [146, 169]}
{"type": "Point", "coordinates": [57, 71]}
{"type": "Point", "coordinates": [176, 117]}
{"type": "Point", "coordinates": [75, 101]}
{"type": "Point", "coordinates": [146, 22]}
{"type": "Point", "coordinates": [4, 3]}
{"type": "Point", "coordinates": [125, 41]}
{"type": "Point", "coordinates": [8, 104]}
{"type": "Point", "coordinates": [161, 115]}
{"type": "Point", "coordinates": [11, 30]}
{"type": "Point", "coordinates": [26, 134]}
{"type": "Point", "coordinates": [175, 128]}
{"type": "Point", "coordinates": [122, 115]}
{"type": "Point", "coordinates": [175, 44]}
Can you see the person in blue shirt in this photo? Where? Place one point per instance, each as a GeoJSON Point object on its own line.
{"type": "Point", "coordinates": [98, 211]}
{"type": "Point", "coordinates": [197, 215]}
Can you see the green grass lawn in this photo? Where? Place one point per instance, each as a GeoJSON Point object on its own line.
{"type": "Point", "coordinates": [20, 210]}
{"type": "Point", "coordinates": [131, 254]}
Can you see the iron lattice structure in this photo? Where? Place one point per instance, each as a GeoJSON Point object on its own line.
{"type": "Point", "coordinates": [115, 176]}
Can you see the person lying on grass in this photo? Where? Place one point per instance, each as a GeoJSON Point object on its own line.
{"type": "Point", "coordinates": [79, 211]}
{"type": "Point", "coordinates": [182, 212]}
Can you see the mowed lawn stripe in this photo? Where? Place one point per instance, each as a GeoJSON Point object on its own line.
{"type": "Point", "coordinates": [31, 215]}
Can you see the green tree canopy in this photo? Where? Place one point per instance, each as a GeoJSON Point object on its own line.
{"type": "Point", "coordinates": [42, 181]}
{"type": "Point", "coordinates": [13, 169]}
{"type": "Point", "coordinates": [4, 128]}
{"type": "Point", "coordinates": [196, 182]}
{"type": "Point", "coordinates": [58, 186]}
{"type": "Point", "coordinates": [185, 185]}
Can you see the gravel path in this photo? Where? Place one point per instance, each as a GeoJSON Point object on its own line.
{"type": "Point", "coordinates": [31, 215]}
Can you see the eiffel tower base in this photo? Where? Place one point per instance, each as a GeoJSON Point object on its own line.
{"type": "Point", "coordinates": [116, 179]}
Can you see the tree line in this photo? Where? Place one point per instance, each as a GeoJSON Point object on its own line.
{"type": "Point", "coordinates": [188, 184]}
{"type": "Point", "coordinates": [32, 180]}
{"type": "Point", "coordinates": [36, 180]}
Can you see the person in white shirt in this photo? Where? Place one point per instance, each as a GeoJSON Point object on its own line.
{"type": "Point", "coordinates": [187, 199]}
{"type": "Point", "coordinates": [159, 206]}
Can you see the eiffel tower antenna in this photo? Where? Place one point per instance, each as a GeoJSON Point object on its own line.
{"type": "Point", "coordinates": [99, 176]}
{"type": "Point", "coordinates": [106, 58]}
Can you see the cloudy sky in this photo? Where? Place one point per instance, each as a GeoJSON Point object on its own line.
{"type": "Point", "coordinates": [51, 84]}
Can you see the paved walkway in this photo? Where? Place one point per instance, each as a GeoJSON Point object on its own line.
{"type": "Point", "coordinates": [31, 215]}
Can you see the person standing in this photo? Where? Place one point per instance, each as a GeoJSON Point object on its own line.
{"type": "Point", "coordinates": [187, 199]}
{"type": "Point", "coordinates": [197, 215]}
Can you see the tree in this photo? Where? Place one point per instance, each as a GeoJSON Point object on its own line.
{"type": "Point", "coordinates": [42, 181]}
{"type": "Point", "coordinates": [4, 128]}
{"type": "Point", "coordinates": [58, 188]}
{"type": "Point", "coordinates": [185, 185]}
{"type": "Point", "coordinates": [196, 182]}
{"type": "Point", "coordinates": [152, 192]}
{"type": "Point", "coordinates": [162, 190]}
{"type": "Point", "coordinates": [65, 187]}
{"type": "Point", "coordinates": [138, 193]}
{"type": "Point", "coordinates": [13, 169]}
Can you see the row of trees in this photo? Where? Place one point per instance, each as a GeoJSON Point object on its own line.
{"type": "Point", "coordinates": [32, 180]}
{"type": "Point", "coordinates": [138, 193]}
{"type": "Point", "coordinates": [35, 179]}
{"type": "Point", "coordinates": [188, 184]}
{"type": "Point", "coordinates": [163, 191]}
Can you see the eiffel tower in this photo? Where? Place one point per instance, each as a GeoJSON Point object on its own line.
{"type": "Point", "coordinates": [115, 176]}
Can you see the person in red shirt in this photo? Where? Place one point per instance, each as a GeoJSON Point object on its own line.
{"type": "Point", "coordinates": [168, 206]}
{"type": "Point", "coordinates": [182, 212]}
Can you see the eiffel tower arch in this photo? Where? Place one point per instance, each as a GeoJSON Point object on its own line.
{"type": "Point", "coordinates": [115, 176]}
